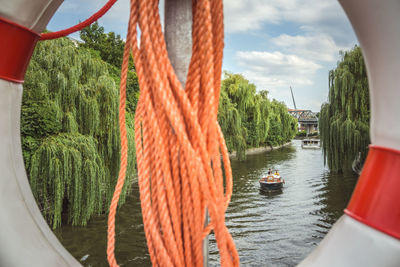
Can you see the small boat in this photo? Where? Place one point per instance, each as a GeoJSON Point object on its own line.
{"type": "Point", "coordinates": [272, 182]}
{"type": "Point", "coordinates": [310, 143]}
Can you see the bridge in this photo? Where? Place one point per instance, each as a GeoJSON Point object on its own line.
{"type": "Point", "coordinates": [307, 119]}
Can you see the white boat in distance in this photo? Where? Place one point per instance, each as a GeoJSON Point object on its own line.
{"type": "Point", "coordinates": [310, 143]}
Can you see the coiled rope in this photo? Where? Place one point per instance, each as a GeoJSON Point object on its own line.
{"type": "Point", "coordinates": [178, 140]}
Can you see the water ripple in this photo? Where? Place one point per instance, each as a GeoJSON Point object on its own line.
{"type": "Point", "coordinates": [269, 228]}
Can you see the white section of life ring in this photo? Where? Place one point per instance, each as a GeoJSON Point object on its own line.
{"type": "Point", "coordinates": [33, 14]}
{"type": "Point", "coordinates": [377, 25]}
{"type": "Point", "coordinates": [350, 243]}
{"type": "Point", "coordinates": [25, 238]}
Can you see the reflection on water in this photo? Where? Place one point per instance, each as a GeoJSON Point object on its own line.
{"type": "Point", "coordinates": [270, 193]}
{"type": "Point", "coordinates": [89, 243]}
{"type": "Point", "coordinates": [275, 228]}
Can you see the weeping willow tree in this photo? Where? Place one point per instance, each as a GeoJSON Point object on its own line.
{"type": "Point", "coordinates": [246, 116]}
{"type": "Point", "coordinates": [344, 120]}
{"type": "Point", "coordinates": [70, 135]}
{"type": "Point", "coordinates": [283, 126]}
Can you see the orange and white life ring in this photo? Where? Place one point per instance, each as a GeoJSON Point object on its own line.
{"type": "Point", "coordinates": [368, 234]}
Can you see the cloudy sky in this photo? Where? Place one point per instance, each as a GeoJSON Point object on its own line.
{"type": "Point", "coordinates": [273, 43]}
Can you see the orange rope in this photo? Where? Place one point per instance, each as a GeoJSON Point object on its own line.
{"type": "Point", "coordinates": [178, 140]}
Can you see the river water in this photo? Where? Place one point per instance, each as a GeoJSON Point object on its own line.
{"type": "Point", "coordinates": [269, 229]}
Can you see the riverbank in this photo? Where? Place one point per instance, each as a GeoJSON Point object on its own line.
{"type": "Point", "coordinates": [259, 150]}
{"type": "Point", "coordinates": [306, 137]}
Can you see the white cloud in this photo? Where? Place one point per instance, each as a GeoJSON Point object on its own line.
{"type": "Point", "coordinates": [313, 16]}
{"type": "Point", "coordinates": [240, 16]}
{"type": "Point", "coordinates": [319, 47]}
{"type": "Point", "coordinates": [303, 38]}
{"type": "Point", "coordinates": [310, 11]}
{"type": "Point", "coordinates": [271, 70]}
{"type": "Point", "coordinates": [275, 11]}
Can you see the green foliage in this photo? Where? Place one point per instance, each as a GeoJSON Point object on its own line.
{"type": "Point", "coordinates": [108, 46]}
{"type": "Point", "coordinates": [344, 120]}
{"type": "Point", "coordinates": [250, 119]}
{"type": "Point", "coordinates": [283, 125]}
{"type": "Point", "coordinates": [302, 133]}
{"type": "Point", "coordinates": [71, 164]}
{"type": "Point", "coordinates": [70, 133]}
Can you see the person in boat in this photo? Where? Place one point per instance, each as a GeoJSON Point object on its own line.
{"type": "Point", "coordinates": [269, 171]}
{"type": "Point", "coordinates": [276, 173]}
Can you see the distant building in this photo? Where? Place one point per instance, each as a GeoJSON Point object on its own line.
{"type": "Point", "coordinates": [307, 120]}
{"type": "Point", "coordinates": [75, 41]}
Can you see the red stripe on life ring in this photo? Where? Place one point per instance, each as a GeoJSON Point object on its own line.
{"type": "Point", "coordinates": [376, 198]}
{"type": "Point", "coordinates": [16, 47]}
